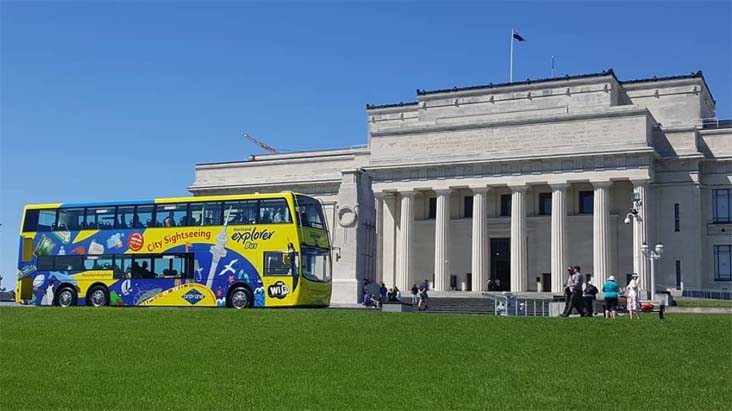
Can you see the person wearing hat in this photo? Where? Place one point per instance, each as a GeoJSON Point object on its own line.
{"type": "Point", "coordinates": [631, 293]}
{"type": "Point", "coordinates": [611, 290]}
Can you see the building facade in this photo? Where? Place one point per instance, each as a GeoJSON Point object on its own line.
{"type": "Point", "coordinates": [516, 182]}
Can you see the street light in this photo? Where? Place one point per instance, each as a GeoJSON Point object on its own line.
{"type": "Point", "coordinates": [633, 212]}
{"type": "Point", "coordinates": [653, 255]}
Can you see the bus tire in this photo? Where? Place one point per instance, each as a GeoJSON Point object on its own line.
{"type": "Point", "coordinates": [65, 297]}
{"type": "Point", "coordinates": [240, 298]}
{"type": "Point", "coordinates": [97, 296]}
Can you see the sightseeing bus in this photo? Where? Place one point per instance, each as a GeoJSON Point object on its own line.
{"type": "Point", "coordinates": [240, 251]}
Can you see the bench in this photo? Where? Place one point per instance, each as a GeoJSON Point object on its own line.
{"type": "Point", "coordinates": [623, 308]}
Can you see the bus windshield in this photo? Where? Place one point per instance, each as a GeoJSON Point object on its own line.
{"type": "Point", "coordinates": [316, 264]}
{"type": "Point", "coordinates": [310, 213]}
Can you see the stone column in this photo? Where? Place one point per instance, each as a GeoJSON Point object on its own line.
{"type": "Point", "coordinates": [601, 232]}
{"type": "Point", "coordinates": [519, 261]}
{"type": "Point", "coordinates": [559, 236]}
{"type": "Point", "coordinates": [442, 241]}
{"type": "Point", "coordinates": [388, 239]}
{"type": "Point", "coordinates": [379, 200]}
{"type": "Point", "coordinates": [404, 275]}
{"type": "Point", "coordinates": [480, 255]}
{"type": "Point", "coordinates": [640, 235]}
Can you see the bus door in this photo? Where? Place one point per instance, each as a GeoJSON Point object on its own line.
{"type": "Point", "coordinates": [281, 277]}
{"type": "Point", "coordinates": [25, 283]}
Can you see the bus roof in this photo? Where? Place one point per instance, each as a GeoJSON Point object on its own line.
{"type": "Point", "coordinates": [167, 200]}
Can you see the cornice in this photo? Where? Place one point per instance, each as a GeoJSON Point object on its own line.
{"type": "Point", "coordinates": [528, 84]}
{"type": "Point", "coordinates": [512, 167]}
{"type": "Point", "coordinates": [244, 185]}
{"type": "Point", "coordinates": [650, 151]}
{"type": "Point", "coordinates": [289, 158]}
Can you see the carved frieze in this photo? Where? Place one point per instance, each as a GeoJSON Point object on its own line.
{"type": "Point", "coordinates": [507, 168]}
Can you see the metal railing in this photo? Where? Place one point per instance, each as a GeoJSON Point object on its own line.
{"type": "Point", "coordinates": [508, 305]}
{"type": "Point", "coordinates": [706, 293]}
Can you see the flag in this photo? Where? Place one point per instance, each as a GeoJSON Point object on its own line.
{"type": "Point", "coordinates": [518, 36]}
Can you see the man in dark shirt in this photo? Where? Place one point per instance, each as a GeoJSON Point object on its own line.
{"type": "Point", "coordinates": [589, 295]}
{"type": "Point", "coordinates": [575, 287]}
{"type": "Point", "coordinates": [423, 297]}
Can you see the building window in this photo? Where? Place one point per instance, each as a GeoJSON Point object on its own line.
{"type": "Point", "coordinates": [545, 203]}
{"type": "Point", "coordinates": [677, 224]}
{"type": "Point", "coordinates": [468, 206]}
{"type": "Point", "coordinates": [678, 274]}
{"type": "Point", "coordinates": [432, 212]}
{"type": "Point", "coordinates": [722, 205]}
{"type": "Point", "coordinates": [505, 205]}
{"type": "Point", "coordinates": [586, 202]}
{"type": "Point", "coordinates": [723, 262]}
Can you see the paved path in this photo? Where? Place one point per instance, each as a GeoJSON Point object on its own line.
{"type": "Point", "coordinates": [699, 310]}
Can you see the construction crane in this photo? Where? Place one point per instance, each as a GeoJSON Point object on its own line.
{"type": "Point", "coordinates": [260, 144]}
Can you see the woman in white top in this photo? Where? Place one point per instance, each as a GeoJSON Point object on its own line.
{"type": "Point", "coordinates": [631, 295]}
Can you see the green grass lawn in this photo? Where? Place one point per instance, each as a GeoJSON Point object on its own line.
{"type": "Point", "coordinates": [703, 303]}
{"type": "Point", "coordinates": [216, 359]}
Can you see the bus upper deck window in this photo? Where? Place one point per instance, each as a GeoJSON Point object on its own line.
{"type": "Point", "coordinates": [39, 220]}
{"type": "Point", "coordinates": [273, 211]}
{"type": "Point", "coordinates": [241, 212]}
{"type": "Point", "coordinates": [205, 214]}
{"type": "Point", "coordinates": [99, 217]}
{"type": "Point", "coordinates": [125, 216]}
{"type": "Point", "coordinates": [70, 219]}
{"type": "Point", "coordinates": [144, 216]}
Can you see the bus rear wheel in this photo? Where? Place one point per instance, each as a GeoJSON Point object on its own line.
{"type": "Point", "coordinates": [66, 297]}
{"type": "Point", "coordinates": [240, 298]}
{"type": "Point", "coordinates": [97, 297]}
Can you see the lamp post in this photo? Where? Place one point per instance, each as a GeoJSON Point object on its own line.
{"type": "Point", "coordinates": [634, 216]}
{"type": "Point", "coordinates": [653, 255]}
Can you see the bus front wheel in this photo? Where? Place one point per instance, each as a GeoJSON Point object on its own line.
{"type": "Point", "coordinates": [240, 298]}
{"type": "Point", "coordinates": [97, 297]}
{"type": "Point", "coordinates": [66, 297]}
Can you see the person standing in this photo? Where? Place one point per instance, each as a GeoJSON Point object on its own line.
{"type": "Point", "coordinates": [415, 291]}
{"type": "Point", "coordinates": [611, 290]}
{"type": "Point", "coordinates": [632, 301]}
{"type": "Point", "coordinates": [383, 291]}
{"type": "Point", "coordinates": [589, 295]}
{"type": "Point", "coordinates": [575, 286]}
{"type": "Point", "coordinates": [568, 289]}
{"type": "Point", "coordinates": [491, 285]}
{"type": "Point", "coordinates": [423, 297]}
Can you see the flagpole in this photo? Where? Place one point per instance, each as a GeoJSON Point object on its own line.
{"type": "Point", "coordinates": [552, 67]}
{"type": "Point", "coordinates": [510, 69]}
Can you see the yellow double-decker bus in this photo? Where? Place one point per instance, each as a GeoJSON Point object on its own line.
{"type": "Point", "coordinates": [260, 250]}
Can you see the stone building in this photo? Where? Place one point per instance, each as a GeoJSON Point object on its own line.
{"type": "Point", "coordinates": [517, 181]}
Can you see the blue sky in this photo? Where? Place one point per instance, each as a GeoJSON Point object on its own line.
{"type": "Point", "coordinates": [108, 101]}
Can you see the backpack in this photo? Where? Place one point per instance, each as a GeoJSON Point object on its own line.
{"type": "Point", "coordinates": [646, 307]}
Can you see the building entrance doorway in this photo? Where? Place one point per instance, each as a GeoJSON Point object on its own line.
{"type": "Point", "coordinates": [501, 262]}
{"type": "Point", "coordinates": [546, 282]}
